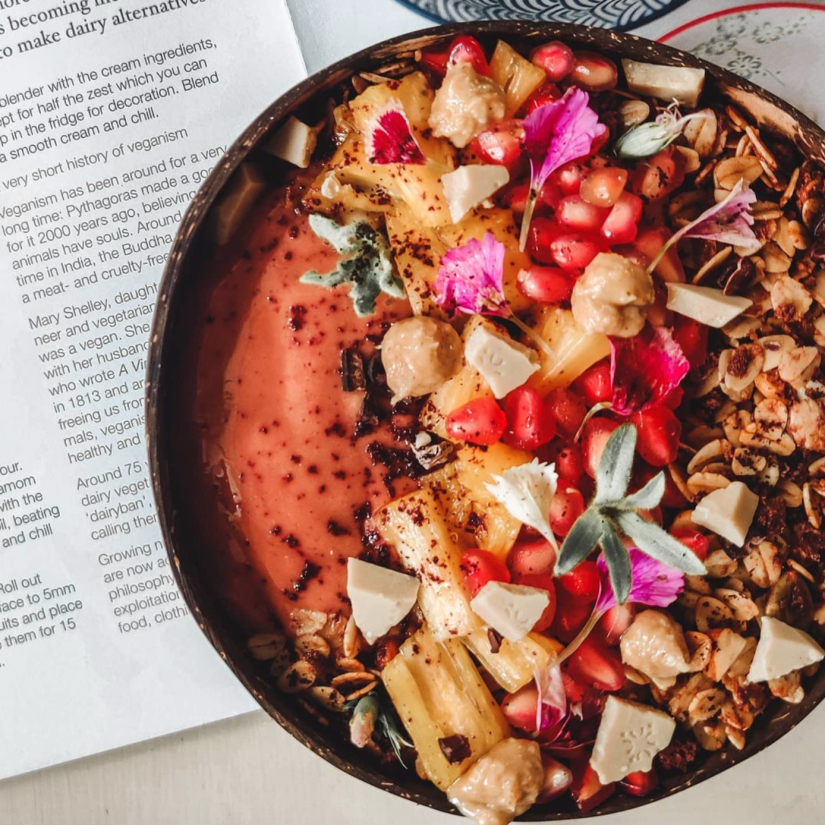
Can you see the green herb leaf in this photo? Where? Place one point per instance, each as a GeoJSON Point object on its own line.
{"type": "Point", "coordinates": [651, 539]}
{"type": "Point", "coordinates": [649, 496]}
{"type": "Point", "coordinates": [618, 563]}
{"type": "Point", "coordinates": [615, 466]}
{"type": "Point", "coordinates": [644, 140]}
{"type": "Point", "coordinates": [580, 541]}
{"type": "Point", "coordinates": [366, 263]}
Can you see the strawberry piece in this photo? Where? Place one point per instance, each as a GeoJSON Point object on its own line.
{"type": "Point", "coordinates": [597, 665]}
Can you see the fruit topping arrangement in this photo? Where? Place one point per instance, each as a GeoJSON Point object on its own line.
{"type": "Point", "coordinates": [612, 559]}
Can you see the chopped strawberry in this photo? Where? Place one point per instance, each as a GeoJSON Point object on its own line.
{"type": "Point", "coordinates": [597, 665]}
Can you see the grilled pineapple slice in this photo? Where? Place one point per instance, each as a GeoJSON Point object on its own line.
{"type": "Point", "coordinates": [439, 693]}
{"type": "Point", "coordinates": [574, 350]}
{"type": "Point", "coordinates": [516, 75]}
{"type": "Point", "coordinates": [476, 467]}
{"type": "Point", "coordinates": [417, 527]}
{"type": "Point", "coordinates": [516, 663]}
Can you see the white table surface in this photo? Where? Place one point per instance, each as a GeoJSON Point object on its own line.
{"type": "Point", "coordinates": [247, 771]}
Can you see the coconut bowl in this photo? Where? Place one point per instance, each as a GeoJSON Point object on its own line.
{"type": "Point", "coordinates": [170, 378]}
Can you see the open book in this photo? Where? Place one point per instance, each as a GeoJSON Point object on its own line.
{"type": "Point", "coordinates": [112, 112]}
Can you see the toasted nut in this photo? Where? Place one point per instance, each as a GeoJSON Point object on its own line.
{"type": "Point", "coordinates": [679, 701]}
{"type": "Point", "coordinates": [705, 705]}
{"type": "Point", "coordinates": [351, 683]}
{"type": "Point", "coordinates": [720, 565]}
{"type": "Point", "coordinates": [788, 688]}
{"type": "Point", "coordinates": [741, 367]}
{"type": "Point", "coordinates": [776, 261]}
{"type": "Point", "coordinates": [633, 112]}
{"type": "Point", "coordinates": [305, 621]}
{"type": "Point", "coordinates": [701, 133]}
{"type": "Point", "coordinates": [790, 492]}
{"type": "Point", "coordinates": [806, 425]}
{"type": "Point", "coordinates": [680, 481]}
{"type": "Point", "coordinates": [636, 676]}
{"type": "Point", "coordinates": [349, 665]}
{"type": "Point", "coordinates": [736, 737]}
{"type": "Point", "coordinates": [813, 508]}
{"type": "Point", "coordinates": [741, 604]}
{"type": "Point", "coordinates": [719, 258]}
{"type": "Point", "coordinates": [691, 158]}
{"type": "Point", "coordinates": [297, 677]}
{"type": "Point", "coordinates": [763, 564]}
{"type": "Point", "coordinates": [784, 446]}
{"type": "Point", "coordinates": [711, 737]}
{"type": "Point", "coordinates": [700, 483]}
{"type": "Point", "coordinates": [700, 647]}
{"type": "Point", "coordinates": [811, 210]}
{"type": "Point", "coordinates": [798, 236]}
{"type": "Point", "coordinates": [312, 644]}
{"type": "Point", "coordinates": [352, 639]}
{"type": "Point", "coordinates": [714, 449]}
{"type": "Point", "coordinates": [770, 475]}
{"type": "Point", "coordinates": [266, 646]}
{"type": "Point", "coordinates": [711, 613]}
{"type": "Point", "coordinates": [797, 567]}
{"type": "Point", "coordinates": [735, 424]}
{"type": "Point", "coordinates": [731, 170]}
{"type": "Point", "coordinates": [817, 468]}
{"type": "Point", "coordinates": [699, 585]}
{"type": "Point", "coordinates": [746, 462]}
{"type": "Point", "coordinates": [788, 294]}
{"type": "Point", "coordinates": [727, 646]}
{"type": "Point", "coordinates": [688, 599]}
{"type": "Point", "coordinates": [742, 664]}
{"type": "Point", "coordinates": [328, 698]}
{"type": "Point", "coordinates": [790, 601]}
{"type": "Point", "coordinates": [798, 365]}
{"type": "Point", "coordinates": [769, 384]}
{"type": "Point", "coordinates": [791, 188]}
{"type": "Point", "coordinates": [770, 418]}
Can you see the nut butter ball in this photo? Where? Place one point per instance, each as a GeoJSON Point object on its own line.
{"type": "Point", "coordinates": [419, 355]}
{"type": "Point", "coordinates": [612, 296]}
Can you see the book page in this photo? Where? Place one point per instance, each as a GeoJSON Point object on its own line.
{"type": "Point", "coordinates": [112, 112]}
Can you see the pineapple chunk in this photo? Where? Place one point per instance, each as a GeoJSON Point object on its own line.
{"type": "Point", "coordinates": [500, 222]}
{"type": "Point", "coordinates": [516, 663]}
{"type": "Point", "coordinates": [516, 75]}
{"type": "Point", "coordinates": [417, 251]}
{"type": "Point", "coordinates": [476, 467]}
{"type": "Point", "coordinates": [417, 527]}
{"type": "Point", "coordinates": [438, 693]}
{"type": "Point", "coordinates": [448, 491]}
{"type": "Point", "coordinates": [574, 349]}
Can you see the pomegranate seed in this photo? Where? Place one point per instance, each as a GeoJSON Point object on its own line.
{"type": "Point", "coordinates": [545, 284]}
{"type": "Point", "coordinates": [565, 509]}
{"type": "Point", "coordinates": [573, 252]}
{"type": "Point", "coordinates": [649, 243]}
{"type": "Point", "coordinates": [622, 224]}
{"type": "Point", "coordinates": [572, 613]}
{"type": "Point", "coordinates": [583, 581]}
{"type": "Point", "coordinates": [555, 58]}
{"type": "Point", "coordinates": [529, 423]}
{"type": "Point", "coordinates": [659, 433]}
{"type": "Point", "coordinates": [569, 177]}
{"type": "Point", "coordinates": [693, 539]}
{"type": "Point", "coordinates": [542, 581]}
{"type": "Point", "coordinates": [588, 792]}
{"type": "Point", "coordinates": [546, 93]}
{"type": "Point", "coordinates": [596, 434]}
{"type": "Point", "coordinates": [576, 213]}
{"type": "Point", "coordinates": [568, 461]}
{"type": "Point", "coordinates": [692, 337]}
{"type": "Point", "coordinates": [542, 233]}
{"type": "Point", "coordinates": [594, 384]}
{"type": "Point", "coordinates": [500, 144]}
{"type": "Point", "coordinates": [568, 409]}
{"type": "Point", "coordinates": [550, 194]}
{"type": "Point", "coordinates": [640, 783]}
{"type": "Point", "coordinates": [596, 665]}
{"type": "Point", "coordinates": [557, 780]}
{"type": "Point", "coordinates": [532, 556]}
{"type": "Point", "coordinates": [602, 187]}
{"type": "Point", "coordinates": [481, 421]}
{"type": "Point", "coordinates": [615, 621]}
{"type": "Point", "coordinates": [673, 498]}
{"type": "Point", "coordinates": [480, 567]}
{"type": "Point", "coordinates": [659, 175]}
{"type": "Point", "coordinates": [594, 72]}
{"type": "Point", "coordinates": [463, 48]}
{"type": "Point", "coordinates": [521, 708]}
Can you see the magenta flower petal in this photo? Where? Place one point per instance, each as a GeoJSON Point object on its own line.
{"type": "Point", "coordinates": [471, 278]}
{"type": "Point", "coordinates": [728, 221]}
{"type": "Point", "coordinates": [391, 139]}
{"type": "Point", "coordinates": [644, 370]}
{"type": "Point", "coordinates": [552, 708]}
{"type": "Point", "coordinates": [559, 132]}
{"type": "Point", "coordinates": [654, 584]}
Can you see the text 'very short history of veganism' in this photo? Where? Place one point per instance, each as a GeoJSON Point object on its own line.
{"type": "Point", "coordinates": [112, 113]}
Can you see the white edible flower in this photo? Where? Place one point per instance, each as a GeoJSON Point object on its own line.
{"type": "Point", "coordinates": [527, 491]}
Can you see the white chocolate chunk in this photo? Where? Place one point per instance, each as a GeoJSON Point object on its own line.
{"type": "Point", "coordinates": [380, 597]}
{"type": "Point", "coordinates": [629, 736]}
{"type": "Point", "coordinates": [703, 303]}
{"type": "Point", "coordinates": [469, 186]}
{"type": "Point", "coordinates": [728, 512]}
{"type": "Point", "coordinates": [781, 650]}
{"type": "Point", "coordinates": [503, 363]}
{"type": "Point", "coordinates": [511, 609]}
{"type": "Point", "coordinates": [294, 142]}
{"type": "Point", "coordinates": [668, 83]}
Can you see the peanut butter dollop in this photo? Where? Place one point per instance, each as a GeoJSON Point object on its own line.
{"type": "Point", "coordinates": [655, 645]}
{"type": "Point", "coordinates": [419, 355]}
{"type": "Point", "coordinates": [613, 296]}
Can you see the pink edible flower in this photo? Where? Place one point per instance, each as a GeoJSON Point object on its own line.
{"type": "Point", "coordinates": [654, 584]}
{"type": "Point", "coordinates": [644, 372]}
{"type": "Point", "coordinates": [471, 278]}
{"type": "Point", "coordinates": [391, 139]}
{"type": "Point", "coordinates": [552, 708]}
{"type": "Point", "coordinates": [555, 134]}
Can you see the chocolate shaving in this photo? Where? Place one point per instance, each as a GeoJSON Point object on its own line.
{"type": "Point", "coordinates": [353, 377]}
{"type": "Point", "coordinates": [495, 639]}
{"type": "Point", "coordinates": [456, 748]}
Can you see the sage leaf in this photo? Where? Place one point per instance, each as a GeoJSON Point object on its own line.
{"type": "Point", "coordinates": [659, 545]}
{"type": "Point", "coordinates": [618, 563]}
{"type": "Point", "coordinates": [366, 263]}
{"type": "Point", "coordinates": [648, 497]}
{"type": "Point", "coordinates": [615, 465]}
{"type": "Point", "coordinates": [580, 541]}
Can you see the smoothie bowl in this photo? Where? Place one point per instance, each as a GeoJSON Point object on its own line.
{"type": "Point", "coordinates": [485, 417]}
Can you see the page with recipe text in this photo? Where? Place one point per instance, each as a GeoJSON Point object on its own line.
{"type": "Point", "coordinates": [112, 112]}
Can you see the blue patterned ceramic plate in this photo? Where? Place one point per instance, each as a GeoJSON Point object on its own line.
{"type": "Point", "coordinates": [604, 14]}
